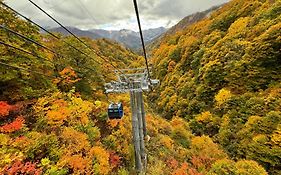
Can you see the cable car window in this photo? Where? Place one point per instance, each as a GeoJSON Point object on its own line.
{"type": "Point", "coordinates": [115, 111]}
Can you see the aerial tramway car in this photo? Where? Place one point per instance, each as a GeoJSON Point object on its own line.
{"type": "Point", "coordinates": [115, 111]}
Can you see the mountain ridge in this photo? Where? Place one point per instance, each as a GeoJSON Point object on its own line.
{"type": "Point", "coordinates": [128, 38]}
{"type": "Point", "coordinates": [181, 25]}
{"type": "Point", "coordinates": [219, 100]}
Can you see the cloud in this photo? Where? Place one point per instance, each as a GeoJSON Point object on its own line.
{"type": "Point", "coordinates": [111, 14]}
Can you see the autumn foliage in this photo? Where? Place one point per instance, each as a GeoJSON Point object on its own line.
{"type": "Point", "coordinates": [4, 109]}
{"type": "Point", "coordinates": [19, 167]}
{"type": "Point", "coordinates": [16, 125]}
{"type": "Point", "coordinates": [68, 77]}
{"type": "Point", "coordinates": [221, 74]}
{"type": "Point", "coordinates": [216, 111]}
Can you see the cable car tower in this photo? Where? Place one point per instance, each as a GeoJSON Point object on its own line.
{"type": "Point", "coordinates": [135, 81]}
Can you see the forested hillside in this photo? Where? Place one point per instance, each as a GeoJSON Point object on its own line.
{"type": "Point", "coordinates": [54, 61]}
{"type": "Point", "coordinates": [223, 75]}
{"type": "Point", "coordinates": [181, 25]}
{"type": "Point", "coordinates": [218, 103]}
{"type": "Point", "coordinates": [53, 109]}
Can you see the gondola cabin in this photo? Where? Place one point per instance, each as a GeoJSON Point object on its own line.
{"type": "Point", "coordinates": [115, 111]}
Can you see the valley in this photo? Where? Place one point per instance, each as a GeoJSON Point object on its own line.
{"type": "Point", "coordinates": [216, 110]}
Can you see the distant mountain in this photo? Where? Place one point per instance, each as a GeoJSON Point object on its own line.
{"type": "Point", "coordinates": [76, 31]}
{"type": "Point", "coordinates": [128, 38]}
{"type": "Point", "coordinates": [151, 34]}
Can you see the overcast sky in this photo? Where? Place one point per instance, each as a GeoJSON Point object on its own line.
{"type": "Point", "coordinates": [111, 14]}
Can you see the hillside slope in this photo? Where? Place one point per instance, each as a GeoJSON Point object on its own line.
{"type": "Point", "coordinates": [53, 115]}
{"type": "Point", "coordinates": [53, 110]}
{"type": "Point", "coordinates": [184, 23]}
{"type": "Point", "coordinates": [222, 74]}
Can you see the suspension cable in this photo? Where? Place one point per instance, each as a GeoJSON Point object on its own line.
{"type": "Point", "coordinates": [58, 38]}
{"type": "Point", "coordinates": [25, 69]}
{"type": "Point", "coordinates": [24, 51]}
{"type": "Point", "coordinates": [37, 56]}
{"type": "Point", "coordinates": [93, 50]}
{"type": "Point", "coordinates": [85, 8]}
{"type": "Point", "coordinates": [28, 39]}
{"type": "Point", "coordinates": [50, 33]}
{"type": "Point", "coordinates": [142, 40]}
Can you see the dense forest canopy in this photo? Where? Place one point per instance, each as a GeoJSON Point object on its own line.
{"type": "Point", "coordinates": [217, 110]}
{"type": "Point", "coordinates": [223, 75]}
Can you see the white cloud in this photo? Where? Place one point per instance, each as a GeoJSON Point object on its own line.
{"type": "Point", "coordinates": [111, 14]}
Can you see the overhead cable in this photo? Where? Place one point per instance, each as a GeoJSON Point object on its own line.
{"type": "Point", "coordinates": [26, 38]}
{"type": "Point", "coordinates": [93, 50]}
{"type": "Point", "coordinates": [142, 40]}
{"type": "Point", "coordinates": [50, 33]}
{"type": "Point", "coordinates": [24, 51]}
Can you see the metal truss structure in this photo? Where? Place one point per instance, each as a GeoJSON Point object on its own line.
{"type": "Point", "coordinates": [135, 81]}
